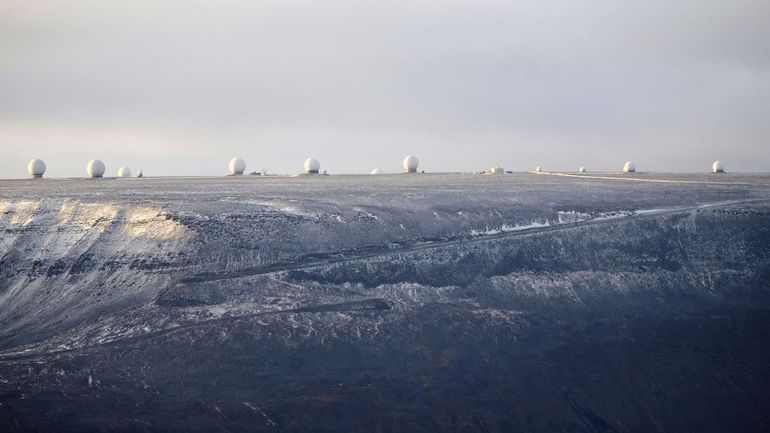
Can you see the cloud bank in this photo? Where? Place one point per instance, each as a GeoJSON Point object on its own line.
{"type": "Point", "coordinates": [180, 87]}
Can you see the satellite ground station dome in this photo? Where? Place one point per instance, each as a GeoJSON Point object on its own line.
{"type": "Point", "coordinates": [312, 166]}
{"type": "Point", "coordinates": [124, 172]}
{"type": "Point", "coordinates": [718, 167]}
{"type": "Point", "coordinates": [376, 171]}
{"type": "Point", "coordinates": [630, 167]}
{"type": "Point", "coordinates": [36, 168]}
{"type": "Point", "coordinates": [410, 164]}
{"type": "Point", "coordinates": [95, 169]}
{"type": "Point", "coordinates": [237, 166]}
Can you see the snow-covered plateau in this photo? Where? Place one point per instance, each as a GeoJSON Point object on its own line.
{"type": "Point", "coordinates": [393, 303]}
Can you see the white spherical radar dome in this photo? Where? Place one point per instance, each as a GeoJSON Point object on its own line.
{"type": "Point", "coordinates": [376, 171]}
{"type": "Point", "coordinates": [629, 167]}
{"type": "Point", "coordinates": [237, 166]}
{"type": "Point", "coordinates": [95, 169]}
{"type": "Point", "coordinates": [124, 172]}
{"type": "Point", "coordinates": [36, 168]}
{"type": "Point", "coordinates": [410, 164]}
{"type": "Point", "coordinates": [718, 167]}
{"type": "Point", "coordinates": [312, 166]}
{"type": "Point", "coordinates": [581, 170]}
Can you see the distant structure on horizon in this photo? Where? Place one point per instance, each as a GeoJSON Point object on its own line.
{"type": "Point", "coordinates": [140, 173]}
{"type": "Point", "coordinates": [124, 172]}
{"type": "Point", "coordinates": [410, 164]}
{"type": "Point", "coordinates": [718, 167]}
{"type": "Point", "coordinates": [538, 169]}
{"type": "Point", "coordinates": [630, 167]}
{"type": "Point", "coordinates": [496, 170]}
{"type": "Point", "coordinates": [581, 170]}
{"type": "Point", "coordinates": [312, 166]}
{"type": "Point", "coordinates": [237, 166]}
{"type": "Point", "coordinates": [95, 169]}
{"type": "Point", "coordinates": [36, 168]}
{"type": "Point", "coordinates": [376, 171]}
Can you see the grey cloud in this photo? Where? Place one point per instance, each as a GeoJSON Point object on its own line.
{"type": "Point", "coordinates": [466, 85]}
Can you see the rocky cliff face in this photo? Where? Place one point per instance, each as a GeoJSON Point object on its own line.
{"type": "Point", "coordinates": [425, 303]}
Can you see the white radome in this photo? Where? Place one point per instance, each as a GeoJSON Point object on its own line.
{"type": "Point", "coordinates": [629, 167]}
{"type": "Point", "coordinates": [124, 172]}
{"type": "Point", "coordinates": [581, 170]}
{"type": "Point", "coordinates": [36, 168]}
{"type": "Point", "coordinates": [376, 171]}
{"type": "Point", "coordinates": [95, 169]}
{"type": "Point", "coordinates": [312, 166]}
{"type": "Point", "coordinates": [538, 169]}
{"type": "Point", "coordinates": [718, 167]}
{"type": "Point", "coordinates": [410, 164]}
{"type": "Point", "coordinates": [237, 166]}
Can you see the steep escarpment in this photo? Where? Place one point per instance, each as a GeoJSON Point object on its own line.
{"type": "Point", "coordinates": [64, 262]}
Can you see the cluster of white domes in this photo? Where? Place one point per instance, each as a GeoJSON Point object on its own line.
{"type": "Point", "coordinates": [237, 166]}
{"type": "Point", "coordinates": [410, 164]}
{"type": "Point", "coordinates": [36, 168]}
{"type": "Point", "coordinates": [96, 168]}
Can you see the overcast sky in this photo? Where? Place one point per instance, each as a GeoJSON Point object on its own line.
{"type": "Point", "coordinates": [180, 87]}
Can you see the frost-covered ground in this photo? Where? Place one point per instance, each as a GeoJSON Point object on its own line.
{"type": "Point", "coordinates": [386, 303]}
